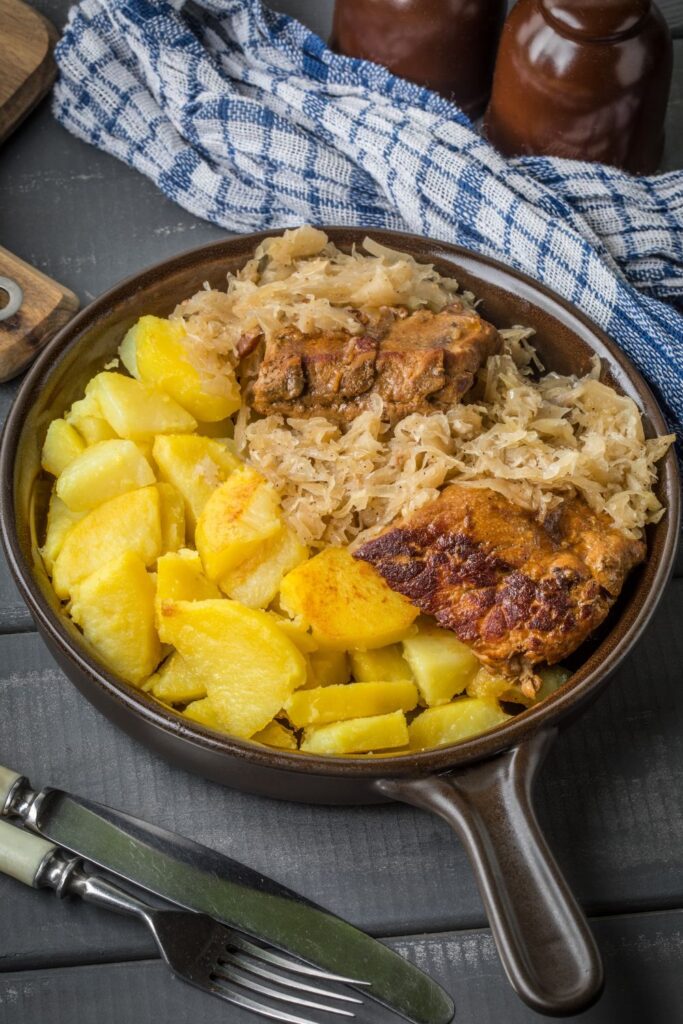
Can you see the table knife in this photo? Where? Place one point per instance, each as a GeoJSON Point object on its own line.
{"type": "Point", "coordinates": [201, 879]}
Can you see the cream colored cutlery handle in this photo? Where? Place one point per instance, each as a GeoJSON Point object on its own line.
{"type": "Point", "coordinates": [7, 780]}
{"type": "Point", "coordinates": [22, 854]}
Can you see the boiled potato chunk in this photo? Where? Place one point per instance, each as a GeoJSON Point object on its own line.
{"type": "Point", "coordinates": [195, 466]}
{"type": "Point", "coordinates": [552, 678]}
{"type": "Point", "coordinates": [276, 735]}
{"type": "Point", "coordinates": [86, 417]}
{"type": "Point", "coordinates": [62, 445]}
{"type": "Point", "coordinates": [491, 687]}
{"type": "Point", "coordinates": [114, 607]}
{"type": "Point", "coordinates": [452, 723]}
{"type": "Point", "coordinates": [301, 637]}
{"type": "Point", "coordinates": [154, 352]}
{"type": "Point", "coordinates": [172, 513]}
{"type": "Point", "coordinates": [60, 519]}
{"type": "Point", "coordinates": [358, 735]}
{"type": "Point", "coordinates": [441, 664]}
{"type": "Point", "coordinates": [346, 602]}
{"type": "Point", "coordinates": [239, 516]}
{"type": "Point", "coordinates": [354, 700]}
{"type": "Point", "coordinates": [249, 666]}
{"type": "Point", "coordinates": [102, 472]}
{"type": "Point", "coordinates": [382, 663]}
{"type": "Point", "coordinates": [130, 522]}
{"type": "Point", "coordinates": [329, 668]}
{"type": "Point", "coordinates": [137, 411]}
{"type": "Point", "coordinates": [256, 581]}
{"type": "Point", "coordinates": [180, 577]}
{"type": "Point", "coordinates": [176, 683]}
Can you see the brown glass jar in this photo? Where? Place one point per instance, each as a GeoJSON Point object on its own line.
{"type": "Point", "coordinates": [446, 45]}
{"type": "Point", "coordinates": [583, 79]}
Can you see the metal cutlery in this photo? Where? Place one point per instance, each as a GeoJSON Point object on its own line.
{"type": "Point", "coordinates": [196, 948]}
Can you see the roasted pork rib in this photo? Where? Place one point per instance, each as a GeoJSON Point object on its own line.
{"type": "Point", "coordinates": [416, 362]}
{"type": "Point", "coordinates": [517, 591]}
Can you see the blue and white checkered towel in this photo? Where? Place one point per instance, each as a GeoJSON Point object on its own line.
{"type": "Point", "coordinates": [246, 118]}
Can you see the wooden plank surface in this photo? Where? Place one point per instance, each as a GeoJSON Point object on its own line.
{"type": "Point", "coordinates": [642, 959]}
{"type": "Point", "coordinates": [610, 798]}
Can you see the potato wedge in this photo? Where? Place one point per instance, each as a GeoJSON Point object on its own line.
{"type": "Point", "coordinates": [62, 445]}
{"type": "Point", "coordinates": [301, 637]}
{"type": "Point", "coordinates": [238, 518]}
{"type": "Point", "coordinates": [353, 700]}
{"type": "Point", "coordinates": [102, 472]}
{"type": "Point", "coordinates": [452, 723]}
{"type": "Point", "coordinates": [154, 352]}
{"type": "Point", "coordinates": [441, 664]}
{"type": "Point", "coordinates": [358, 735]}
{"type": "Point", "coordinates": [248, 664]}
{"type": "Point", "coordinates": [382, 663]}
{"type": "Point", "coordinates": [256, 581]}
{"type": "Point", "coordinates": [196, 466]}
{"type": "Point", "coordinates": [346, 602]}
{"type": "Point", "coordinates": [276, 735]}
{"type": "Point", "coordinates": [86, 417]}
{"type": "Point", "coordinates": [180, 577]}
{"type": "Point", "coordinates": [114, 607]}
{"type": "Point", "coordinates": [176, 683]}
{"type": "Point", "coordinates": [60, 520]}
{"type": "Point", "coordinates": [329, 668]}
{"type": "Point", "coordinates": [130, 522]}
{"type": "Point", "coordinates": [137, 411]}
{"type": "Point", "coordinates": [172, 513]}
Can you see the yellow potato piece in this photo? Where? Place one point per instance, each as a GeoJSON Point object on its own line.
{"type": "Point", "coordinates": [276, 735]}
{"type": "Point", "coordinates": [552, 678]}
{"type": "Point", "coordinates": [346, 602]}
{"type": "Point", "coordinates": [249, 666]}
{"type": "Point", "coordinates": [256, 581]}
{"type": "Point", "coordinates": [180, 577]}
{"type": "Point", "coordinates": [354, 700]}
{"type": "Point", "coordinates": [172, 512]}
{"type": "Point", "coordinates": [491, 687]}
{"type": "Point", "coordinates": [382, 663]}
{"type": "Point", "coordinates": [86, 417]}
{"type": "Point", "coordinates": [130, 522]}
{"type": "Point", "coordinates": [358, 735]}
{"type": "Point", "coordinates": [203, 712]}
{"type": "Point", "coordinates": [62, 445]}
{"type": "Point", "coordinates": [60, 519]}
{"type": "Point", "coordinates": [102, 472]}
{"type": "Point", "coordinates": [301, 637]}
{"type": "Point", "coordinates": [137, 411]}
{"type": "Point", "coordinates": [176, 683]}
{"type": "Point", "coordinates": [329, 668]}
{"type": "Point", "coordinates": [452, 723]}
{"type": "Point", "coordinates": [114, 607]}
{"type": "Point", "coordinates": [153, 350]}
{"type": "Point", "coordinates": [196, 466]}
{"type": "Point", "coordinates": [441, 664]}
{"type": "Point", "coordinates": [239, 516]}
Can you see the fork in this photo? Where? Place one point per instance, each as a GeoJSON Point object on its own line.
{"type": "Point", "coordinates": [196, 948]}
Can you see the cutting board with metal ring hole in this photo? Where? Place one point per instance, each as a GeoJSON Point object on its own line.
{"type": "Point", "coordinates": [32, 306]}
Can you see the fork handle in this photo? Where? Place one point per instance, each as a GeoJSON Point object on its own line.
{"type": "Point", "coordinates": [23, 855]}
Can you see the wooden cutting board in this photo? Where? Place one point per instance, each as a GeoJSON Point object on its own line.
{"type": "Point", "coordinates": [41, 306]}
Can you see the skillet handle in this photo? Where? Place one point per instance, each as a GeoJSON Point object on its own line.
{"type": "Point", "coordinates": [542, 935]}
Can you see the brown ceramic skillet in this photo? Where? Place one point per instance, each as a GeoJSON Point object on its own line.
{"type": "Point", "coordinates": [482, 787]}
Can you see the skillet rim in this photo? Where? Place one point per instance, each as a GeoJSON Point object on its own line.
{"type": "Point", "coordinates": [568, 701]}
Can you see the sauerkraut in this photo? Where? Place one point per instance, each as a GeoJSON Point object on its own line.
{"type": "Point", "coordinates": [536, 437]}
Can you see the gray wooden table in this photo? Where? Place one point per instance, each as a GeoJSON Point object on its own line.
{"type": "Point", "coordinates": [610, 797]}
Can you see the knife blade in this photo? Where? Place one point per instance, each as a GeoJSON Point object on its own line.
{"type": "Point", "coordinates": [201, 879]}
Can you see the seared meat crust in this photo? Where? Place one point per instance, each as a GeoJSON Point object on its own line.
{"type": "Point", "coordinates": [416, 363]}
{"type": "Point", "coordinates": [519, 592]}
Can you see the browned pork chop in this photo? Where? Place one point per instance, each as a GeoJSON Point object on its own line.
{"type": "Point", "coordinates": [517, 591]}
{"type": "Point", "coordinates": [419, 362]}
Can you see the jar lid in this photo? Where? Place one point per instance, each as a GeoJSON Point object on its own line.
{"type": "Point", "coordinates": [589, 19]}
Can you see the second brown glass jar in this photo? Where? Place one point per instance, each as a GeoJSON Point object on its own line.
{"type": "Point", "coordinates": [446, 45]}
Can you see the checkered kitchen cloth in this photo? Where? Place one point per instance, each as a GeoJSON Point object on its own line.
{"type": "Point", "coordinates": [246, 118]}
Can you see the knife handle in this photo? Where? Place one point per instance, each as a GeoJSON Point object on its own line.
{"type": "Point", "coordinates": [23, 855]}
{"type": "Point", "coordinates": [8, 780]}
